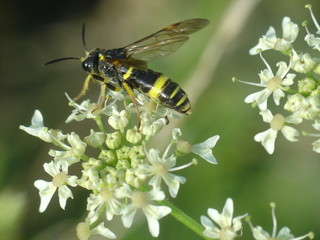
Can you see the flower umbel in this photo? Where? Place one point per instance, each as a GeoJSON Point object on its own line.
{"type": "Point", "coordinates": [297, 83]}
{"type": "Point", "coordinates": [124, 175]}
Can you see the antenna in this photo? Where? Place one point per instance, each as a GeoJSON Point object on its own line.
{"type": "Point", "coordinates": [83, 36]}
{"type": "Point", "coordinates": [60, 59]}
{"type": "Point", "coordinates": [69, 58]}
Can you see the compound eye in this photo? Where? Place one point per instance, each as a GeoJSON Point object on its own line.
{"type": "Point", "coordinates": [87, 66]}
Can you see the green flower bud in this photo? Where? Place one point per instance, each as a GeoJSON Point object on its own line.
{"type": "Point", "coordinates": [107, 156]}
{"type": "Point", "coordinates": [113, 140]}
{"type": "Point", "coordinates": [306, 86]}
{"type": "Point", "coordinates": [133, 136]}
{"type": "Point", "coordinates": [95, 139]}
{"type": "Point", "coordinates": [183, 146]}
{"type": "Point", "coordinates": [119, 120]}
{"type": "Point", "coordinates": [316, 68]}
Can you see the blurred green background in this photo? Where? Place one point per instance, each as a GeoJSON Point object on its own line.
{"type": "Point", "coordinates": [38, 31]}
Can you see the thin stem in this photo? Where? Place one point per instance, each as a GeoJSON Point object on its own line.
{"type": "Point", "coordinates": [100, 124]}
{"type": "Point", "coordinates": [185, 219]}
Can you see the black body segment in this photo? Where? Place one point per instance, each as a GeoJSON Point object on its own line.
{"type": "Point", "coordinates": [157, 87]}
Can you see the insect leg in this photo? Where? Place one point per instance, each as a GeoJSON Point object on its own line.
{"type": "Point", "coordinates": [85, 88]}
{"type": "Point", "coordinates": [102, 97]}
{"type": "Point", "coordinates": [129, 90]}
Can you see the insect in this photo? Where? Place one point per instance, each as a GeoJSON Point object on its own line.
{"type": "Point", "coordinates": [126, 67]}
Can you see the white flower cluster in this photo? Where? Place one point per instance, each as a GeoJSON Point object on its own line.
{"type": "Point", "coordinates": [297, 80]}
{"type": "Point", "coordinates": [122, 176]}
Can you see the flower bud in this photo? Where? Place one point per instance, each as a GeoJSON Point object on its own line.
{"type": "Point", "coordinates": [113, 140]}
{"type": "Point", "coordinates": [119, 120]}
{"type": "Point", "coordinates": [184, 146]}
{"type": "Point", "coordinates": [133, 136]}
{"type": "Point", "coordinates": [95, 139]}
{"type": "Point", "coordinates": [306, 86]}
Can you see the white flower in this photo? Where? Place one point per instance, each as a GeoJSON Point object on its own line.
{"type": "Point", "coordinates": [161, 168]}
{"type": "Point", "coordinates": [37, 129]}
{"type": "Point", "coordinates": [84, 232]}
{"type": "Point", "coordinates": [272, 84]}
{"type": "Point", "coordinates": [143, 200]}
{"type": "Point", "coordinates": [204, 149]}
{"type": "Point", "coordinates": [87, 109]}
{"type": "Point", "coordinates": [270, 40]}
{"type": "Point", "coordinates": [277, 123]}
{"type": "Point", "coordinates": [283, 234]}
{"type": "Point", "coordinates": [104, 198]}
{"type": "Point", "coordinates": [73, 152]}
{"type": "Point", "coordinates": [59, 181]}
{"type": "Point", "coordinates": [311, 39]}
{"type": "Point", "coordinates": [228, 226]}
{"type": "Point", "coordinates": [150, 125]}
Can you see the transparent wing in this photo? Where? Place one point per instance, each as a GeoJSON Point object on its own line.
{"type": "Point", "coordinates": [165, 41]}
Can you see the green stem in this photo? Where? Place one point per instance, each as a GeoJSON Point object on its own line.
{"type": "Point", "coordinates": [185, 219]}
{"type": "Point", "coordinates": [100, 124]}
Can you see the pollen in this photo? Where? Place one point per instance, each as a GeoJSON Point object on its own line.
{"type": "Point", "coordinates": [160, 169]}
{"type": "Point", "coordinates": [60, 179]}
{"type": "Point", "coordinates": [274, 83]}
{"type": "Point", "coordinates": [277, 122]}
{"type": "Point", "coordinates": [106, 194]}
{"type": "Point", "coordinates": [139, 199]}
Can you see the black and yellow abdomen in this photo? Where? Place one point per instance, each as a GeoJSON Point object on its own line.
{"type": "Point", "coordinates": [158, 87]}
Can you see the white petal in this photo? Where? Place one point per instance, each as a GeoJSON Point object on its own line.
{"type": "Point", "coordinates": [290, 133]}
{"type": "Point", "coordinates": [176, 132]}
{"type": "Point", "coordinates": [128, 215]}
{"type": "Point", "coordinates": [46, 191]}
{"type": "Point", "coordinates": [215, 215]}
{"type": "Point", "coordinates": [64, 194]}
{"type": "Point", "coordinates": [288, 80]}
{"type": "Point", "coordinates": [266, 42]}
{"type": "Point", "coordinates": [227, 212]}
{"type": "Point", "coordinates": [156, 212]}
{"type": "Point", "coordinates": [266, 115]}
{"type": "Point", "coordinates": [154, 227]}
{"type": "Point", "coordinates": [204, 149]}
{"type": "Point", "coordinates": [260, 234]}
{"type": "Point", "coordinates": [290, 30]}
{"type": "Point", "coordinates": [102, 230]}
{"type": "Point", "coordinates": [284, 233]}
{"type": "Point", "coordinates": [277, 95]}
{"type": "Point", "coordinates": [316, 124]}
{"type": "Point", "coordinates": [267, 139]}
{"type": "Point", "coordinates": [282, 68]}
{"type": "Point", "coordinates": [72, 181]}
{"type": "Point", "coordinates": [52, 168]}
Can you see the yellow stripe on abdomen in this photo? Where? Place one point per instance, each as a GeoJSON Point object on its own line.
{"type": "Point", "coordinates": [158, 87]}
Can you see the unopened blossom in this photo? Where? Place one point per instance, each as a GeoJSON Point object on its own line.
{"type": "Point", "coordinates": [222, 225]}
